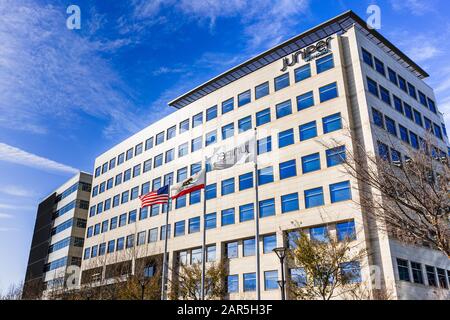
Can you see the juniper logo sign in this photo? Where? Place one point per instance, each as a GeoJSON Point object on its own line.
{"type": "Point", "coordinates": [314, 51]}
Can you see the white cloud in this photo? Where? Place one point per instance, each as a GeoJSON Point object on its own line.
{"type": "Point", "coordinates": [16, 191]}
{"type": "Point", "coordinates": [6, 229]}
{"type": "Point", "coordinates": [416, 7]}
{"type": "Point", "coordinates": [5, 216]}
{"type": "Point", "coordinates": [15, 155]}
{"type": "Point", "coordinates": [51, 73]}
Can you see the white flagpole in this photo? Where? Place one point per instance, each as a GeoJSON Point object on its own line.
{"type": "Point", "coordinates": [204, 240]}
{"type": "Point", "coordinates": [258, 272]}
{"type": "Point", "coordinates": [164, 270]}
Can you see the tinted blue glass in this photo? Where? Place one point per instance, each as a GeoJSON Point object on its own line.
{"type": "Point", "coordinates": [346, 230]}
{"type": "Point", "coordinates": [340, 191]}
{"type": "Point", "coordinates": [249, 282]}
{"type": "Point", "coordinates": [245, 124]}
{"type": "Point", "coordinates": [211, 191]}
{"type": "Point", "coordinates": [311, 163]}
{"type": "Point", "coordinates": [246, 212]}
{"type": "Point", "coordinates": [390, 126]}
{"type": "Point", "coordinates": [246, 181]}
{"type": "Point", "coordinates": [314, 197]}
{"type": "Point", "coordinates": [305, 101]}
{"type": "Point", "coordinates": [267, 208]}
{"type": "Point", "coordinates": [332, 123]}
{"type": "Point", "coordinates": [179, 228]}
{"type": "Point", "coordinates": [319, 234]}
{"type": "Point", "coordinates": [283, 109]}
{"type": "Point", "coordinates": [227, 131]}
{"type": "Point", "coordinates": [288, 169]}
{"type": "Point", "coordinates": [308, 131]}
{"type": "Point", "coordinates": [227, 217]}
{"type": "Point", "coordinates": [263, 117]}
{"type": "Point", "coordinates": [211, 113]}
{"type": "Point", "coordinates": [227, 105]}
{"type": "Point", "coordinates": [285, 138]}
{"type": "Point", "coordinates": [325, 63]}
{"type": "Point", "coordinates": [262, 90]}
{"type": "Point", "coordinates": [271, 280]}
{"type": "Point", "coordinates": [335, 156]}
{"type": "Point", "coordinates": [265, 175]}
{"type": "Point", "coordinates": [244, 98]}
{"type": "Point", "coordinates": [264, 145]}
{"type": "Point", "coordinates": [227, 186]}
{"type": "Point", "coordinates": [269, 243]}
{"type": "Point", "coordinates": [210, 220]}
{"type": "Point", "coordinates": [282, 81]}
{"type": "Point", "coordinates": [372, 86]}
{"type": "Point", "coordinates": [289, 202]}
{"type": "Point", "coordinates": [232, 283]}
{"type": "Point", "coordinates": [328, 92]}
{"type": "Point", "coordinates": [302, 73]}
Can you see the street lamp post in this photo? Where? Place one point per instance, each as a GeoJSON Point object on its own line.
{"type": "Point", "coordinates": [281, 254]}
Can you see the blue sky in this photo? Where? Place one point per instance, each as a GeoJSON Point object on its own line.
{"type": "Point", "coordinates": [66, 96]}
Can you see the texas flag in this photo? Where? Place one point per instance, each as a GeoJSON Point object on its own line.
{"type": "Point", "coordinates": [191, 184]}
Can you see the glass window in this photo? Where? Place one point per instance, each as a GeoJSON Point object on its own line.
{"type": "Point", "coordinates": [417, 274]}
{"type": "Point", "coordinates": [408, 111]}
{"type": "Point", "coordinates": [390, 126]}
{"type": "Point", "coordinates": [134, 193]}
{"type": "Point", "coordinates": [143, 213]}
{"type": "Point", "coordinates": [245, 124]}
{"type": "Point", "coordinates": [346, 231]}
{"type": "Point", "coordinates": [246, 181]}
{"type": "Point", "coordinates": [372, 86]}
{"type": "Point", "coordinates": [197, 120]}
{"type": "Point", "coordinates": [244, 98]}
{"type": "Point", "coordinates": [367, 58]}
{"type": "Point", "coordinates": [227, 217]}
{"type": "Point", "coordinates": [332, 123]}
{"type": "Point", "coordinates": [233, 283]}
{"type": "Point", "coordinates": [211, 113]}
{"type": "Point", "coordinates": [403, 270]}
{"type": "Point", "coordinates": [288, 169]}
{"type": "Point", "coordinates": [283, 109]}
{"type": "Point", "coordinates": [379, 66]}
{"type": "Point", "coordinates": [289, 202]}
{"type": "Point", "coordinates": [328, 92]}
{"type": "Point", "coordinates": [227, 105]}
{"type": "Point", "coordinates": [141, 238]}
{"type": "Point", "coordinates": [319, 234]}
{"type": "Point", "coordinates": [210, 138]}
{"type": "Point", "coordinates": [285, 138]}
{"type": "Point", "coordinates": [184, 126]}
{"type": "Point", "coordinates": [120, 158]}
{"type": "Point", "coordinates": [311, 163]}
{"type": "Point", "coordinates": [402, 83]}
{"type": "Point", "coordinates": [262, 90]}
{"type": "Point", "coordinates": [136, 170]}
{"type": "Point", "coordinates": [298, 276]}
{"type": "Point", "coordinates": [263, 117]}
{"type": "Point", "coordinates": [249, 247]}
{"type": "Point", "coordinates": [179, 228]}
{"type": "Point", "coordinates": [180, 202]}
{"type": "Point", "coordinates": [423, 99]}
{"type": "Point", "coordinates": [314, 197]}
{"type": "Point", "coordinates": [183, 150]}
{"type": "Point", "coordinates": [196, 144]}
{"type": "Point", "coordinates": [211, 191]}
{"type": "Point", "coordinates": [153, 235]}
{"type": "Point", "coordinates": [442, 278]}
{"type": "Point", "coordinates": [111, 246]}
{"type": "Point", "coordinates": [351, 271]}
{"type": "Point", "coordinates": [264, 145]}
{"type": "Point", "coordinates": [160, 138]}
{"type": "Point", "coordinates": [249, 282]}
{"type": "Point", "coordinates": [414, 140]}
{"type": "Point", "coordinates": [305, 101]}
{"type": "Point", "coordinates": [227, 186]}
{"type": "Point", "coordinates": [147, 165]}
{"type": "Point", "coordinates": [116, 200]}
{"type": "Point", "coordinates": [385, 95]}
{"type": "Point", "coordinates": [265, 175]}
{"type": "Point", "coordinates": [125, 196]}
{"type": "Point", "coordinates": [325, 63]}
{"type": "Point", "coordinates": [282, 81]}
{"type": "Point", "coordinates": [120, 244]}
{"type": "Point", "coordinates": [158, 160]}
{"type": "Point", "coordinates": [271, 280]}
{"type": "Point", "coordinates": [227, 131]}
{"type": "Point", "coordinates": [246, 212]}
{"type": "Point", "coordinates": [148, 143]}
{"type": "Point", "coordinates": [335, 156]}
{"type": "Point", "coordinates": [431, 276]}
{"type": "Point", "coordinates": [181, 174]}
{"type": "Point", "coordinates": [392, 76]}
{"type": "Point", "coordinates": [232, 250]}
{"type": "Point", "coordinates": [162, 235]}
{"type": "Point", "coordinates": [269, 243]}
{"type": "Point", "coordinates": [195, 197]}
{"type": "Point", "coordinates": [340, 191]}
{"type": "Point", "coordinates": [398, 105]}
{"type": "Point", "coordinates": [129, 154]}
{"type": "Point", "coordinates": [210, 221]}
{"type": "Point", "coordinates": [308, 131]}
{"type": "Point", "coordinates": [412, 91]}
{"type": "Point", "coordinates": [267, 208]}
{"type": "Point", "coordinates": [302, 73]}
{"type": "Point", "coordinates": [211, 253]}
{"type": "Point", "coordinates": [171, 132]}
{"type": "Point", "coordinates": [194, 225]}
{"type": "Point", "coordinates": [130, 241]}
{"type": "Point", "coordinates": [432, 105]}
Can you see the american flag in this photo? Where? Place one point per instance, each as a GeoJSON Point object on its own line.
{"type": "Point", "coordinates": [160, 196]}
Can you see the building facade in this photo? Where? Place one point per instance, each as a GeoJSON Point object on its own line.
{"type": "Point", "coordinates": [58, 236]}
{"type": "Point", "coordinates": [339, 76]}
